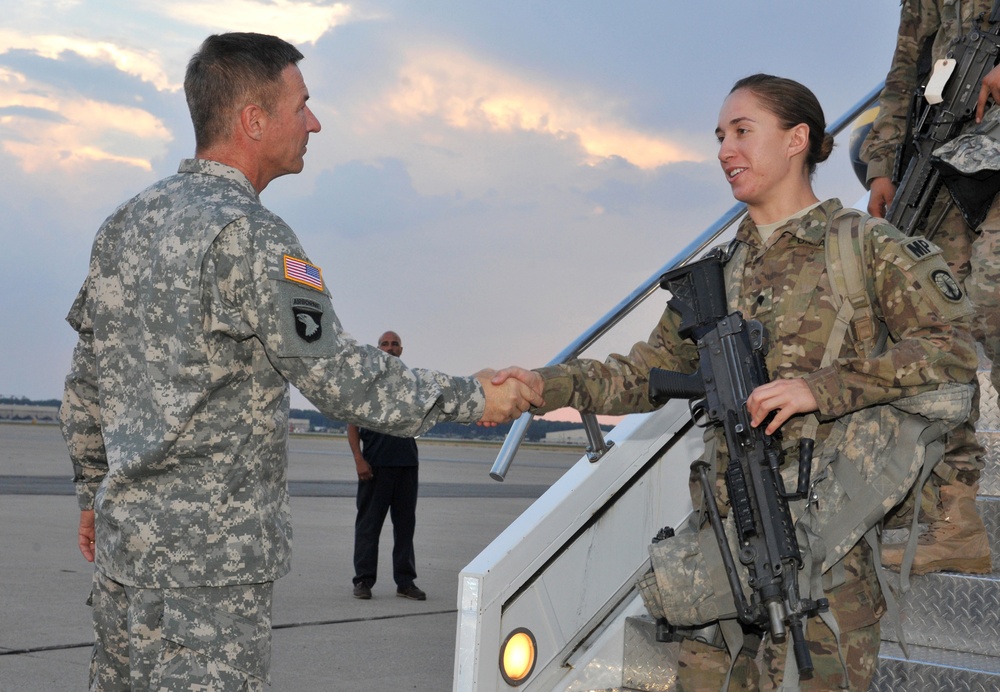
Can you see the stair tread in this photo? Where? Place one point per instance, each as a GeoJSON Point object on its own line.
{"type": "Point", "coordinates": [944, 658]}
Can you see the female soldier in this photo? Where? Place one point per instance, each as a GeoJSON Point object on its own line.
{"type": "Point", "coordinates": [771, 134]}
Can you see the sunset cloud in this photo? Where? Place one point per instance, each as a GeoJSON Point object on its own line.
{"type": "Point", "coordinates": [44, 129]}
{"type": "Point", "coordinates": [296, 22]}
{"type": "Point", "coordinates": [469, 95]}
{"type": "Point", "coordinates": [145, 65]}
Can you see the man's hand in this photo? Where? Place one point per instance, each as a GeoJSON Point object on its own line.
{"type": "Point", "coordinates": [882, 194]}
{"type": "Point", "coordinates": [364, 469]}
{"type": "Point", "coordinates": [86, 536]}
{"type": "Point", "coordinates": [786, 397]}
{"type": "Point", "coordinates": [989, 89]}
{"type": "Point", "coordinates": [509, 393]}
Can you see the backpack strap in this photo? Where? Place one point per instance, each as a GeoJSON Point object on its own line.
{"type": "Point", "coordinates": [847, 263]}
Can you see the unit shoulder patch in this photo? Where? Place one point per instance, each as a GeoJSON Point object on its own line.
{"type": "Point", "coordinates": [946, 285]}
{"type": "Point", "coordinates": [308, 319]}
{"type": "Point", "coordinates": [920, 248]}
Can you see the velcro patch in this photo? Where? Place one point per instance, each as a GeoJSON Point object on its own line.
{"type": "Point", "coordinates": [920, 248]}
{"type": "Point", "coordinates": [301, 272]}
{"type": "Point", "coordinates": [308, 319]}
{"type": "Point", "coordinates": [947, 285]}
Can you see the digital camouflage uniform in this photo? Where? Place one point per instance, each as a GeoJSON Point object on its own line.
{"type": "Point", "coordinates": [198, 309]}
{"type": "Point", "coordinates": [784, 285]}
{"type": "Point", "coordinates": [972, 254]}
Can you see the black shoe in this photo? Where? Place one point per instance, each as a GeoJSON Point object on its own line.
{"type": "Point", "coordinates": [411, 592]}
{"type": "Point", "coordinates": [362, 591]}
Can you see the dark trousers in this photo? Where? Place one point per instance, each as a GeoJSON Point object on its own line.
{"type": "Point", "coordinates": [392, 489]}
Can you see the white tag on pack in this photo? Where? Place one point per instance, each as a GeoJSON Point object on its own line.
{"type": "Point", "coordinates": [934, 91]}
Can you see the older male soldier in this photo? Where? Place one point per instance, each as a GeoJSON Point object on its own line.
{"type": "Point", "coordinates": [387, 483]}
{"type": "Point", "coordinates": [199, 307]}
{"type": "Point", "coordinates": [956, 539]}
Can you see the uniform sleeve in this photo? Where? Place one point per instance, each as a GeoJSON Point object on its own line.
{"type": "Point", "coordinates": [267, 281]}
{"type": "Point", "coordinates": [928, 318]}
{"type": "Point", "coordinates": [79, 414]}
{"type": "Point", "coordinates": [918, 20]}
{"type": "Point", "coordinates": [620, 384]}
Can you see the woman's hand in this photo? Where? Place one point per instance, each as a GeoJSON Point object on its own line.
{"type": "Point", "coordinates": [785, 397]}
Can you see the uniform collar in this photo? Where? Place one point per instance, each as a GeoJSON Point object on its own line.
{"type": "Point", "coordinates": [810, 228]}
{"type": "Point", "coordinates": [220, 170]}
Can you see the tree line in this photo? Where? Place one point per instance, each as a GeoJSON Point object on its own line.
{"type": "Point", "coordinates": [318, 422]}
{"type": "Point", "coordinates": [536, 431]}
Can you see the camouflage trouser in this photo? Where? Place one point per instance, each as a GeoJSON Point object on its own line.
{"type": "Point", "coordinates": [857, 605]}
{"type": "Point", "coordinates": [198, 638]}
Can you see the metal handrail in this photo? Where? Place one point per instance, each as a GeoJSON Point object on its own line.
{"type": "Point", "coordinates": [598, 446]}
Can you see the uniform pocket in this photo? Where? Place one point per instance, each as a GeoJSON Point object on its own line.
{"type": "Point", "coordinates": [217, 633]}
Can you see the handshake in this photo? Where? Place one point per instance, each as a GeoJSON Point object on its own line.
{"type": "Point", "coordinates": [509, 393]}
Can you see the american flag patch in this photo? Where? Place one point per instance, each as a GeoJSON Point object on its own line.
{"type": "Point", "coordinates": [302, 272]}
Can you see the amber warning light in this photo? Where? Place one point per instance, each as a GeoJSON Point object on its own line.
{"type": "Point", "coordinates": [517, 656]}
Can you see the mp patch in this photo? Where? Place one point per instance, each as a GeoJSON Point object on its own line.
{"type": "Point", "coordinates": [301, 272]}
{"type": "Point", "coordinates": [308, 319]}
{"type": "Point", "coordinates": [947, 285]}
{"type": "Point", "coordinates": [920, 248]}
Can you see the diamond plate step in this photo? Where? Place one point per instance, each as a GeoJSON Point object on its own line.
{"type": "Point", "coordinates": [989, 480]}
{"type": "Point", "coordinates": [988, 431]}
{"type": "Point", "coordinates": [648, 665]}
{"type": "Point", "coordinates": [989, 411]}
{"type": "Point", "coordinates": [931, 669]}
{"type": "Point", "coordinates": [949, 611]}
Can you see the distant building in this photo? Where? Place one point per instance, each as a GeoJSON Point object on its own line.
{"type": "Point", "coordinates": [567, 437]}
{"type": "Point", "coordinates": [29, 412]}
{"type": "Point", "coordinates": [298, 425]}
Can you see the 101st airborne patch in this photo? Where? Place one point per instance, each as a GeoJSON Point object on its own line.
{"type": "Point", "coordinates": [308, 319]}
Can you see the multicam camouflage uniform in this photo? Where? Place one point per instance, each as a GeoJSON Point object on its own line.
{"type": "Point", "coordinates": [199, 308]}
{"type": "Point", "coordinates": [784, 284]}
{"type": "Point", "coordinates": [972, 254]}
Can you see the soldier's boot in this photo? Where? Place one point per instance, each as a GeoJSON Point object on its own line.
{"type": "Point", "coordinates": [957, 542]}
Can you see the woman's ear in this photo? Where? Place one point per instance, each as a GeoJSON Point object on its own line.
{"type": "Point", "coordinates": [798, 140]}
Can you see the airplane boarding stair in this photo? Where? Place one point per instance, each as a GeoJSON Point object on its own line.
{"type": "Point", "coordinates": [562, 576]}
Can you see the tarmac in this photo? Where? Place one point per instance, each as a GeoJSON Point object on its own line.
{"type": "Point", "coordinates": [323, 638]}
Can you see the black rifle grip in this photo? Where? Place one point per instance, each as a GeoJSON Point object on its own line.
{"type": "Point", "coordinates": [667, 384]}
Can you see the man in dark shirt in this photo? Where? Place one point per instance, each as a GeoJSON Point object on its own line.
{"type": "Point", "coordinates": [387, 482]}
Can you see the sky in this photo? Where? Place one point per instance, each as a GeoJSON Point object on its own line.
{"type": "Point", "coordinates": [491, 178]}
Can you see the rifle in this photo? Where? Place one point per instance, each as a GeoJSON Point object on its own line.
{"type": "Point", "coordinates": [975, 54]}
{"type": "Point", "coordinates": [731, 352]}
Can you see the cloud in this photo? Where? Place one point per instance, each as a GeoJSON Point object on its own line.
{"type": "Point", "coordinates": [469, 95]}
{"type": "Point", "coordinates": [296, 22]}
{"type": "Point", "coordinates": [145, 65]}
{"type": "Point", "coordinates": [45, 128]}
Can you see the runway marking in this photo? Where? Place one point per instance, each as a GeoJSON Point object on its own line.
{"type": "Point", "coordinates": [61, 485]}
{"type": "Point", "coordinates": [285, 626]}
